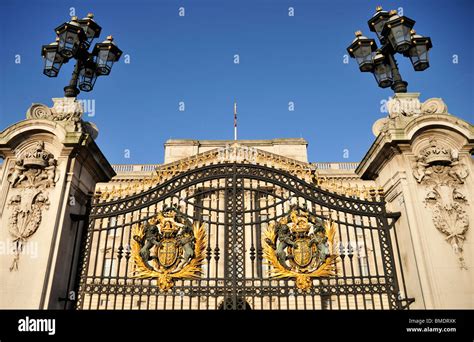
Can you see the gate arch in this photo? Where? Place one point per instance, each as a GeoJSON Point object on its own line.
{"type": "Point", "coordinates": [236, 202]}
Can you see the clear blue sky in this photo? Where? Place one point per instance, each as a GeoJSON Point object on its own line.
{"type": "Point", "coordinates": [191, 59]}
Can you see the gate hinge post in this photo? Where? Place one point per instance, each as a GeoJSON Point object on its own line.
{"type": "Point", "coordinates": [78, 217]}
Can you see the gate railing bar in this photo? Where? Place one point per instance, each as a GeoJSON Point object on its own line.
{"type": "Point", "coordinates": [76, 221]}
{"type": "Point", "coordinates": [405, 302]}
{"type": "Point", "coordinates": [386, 227]}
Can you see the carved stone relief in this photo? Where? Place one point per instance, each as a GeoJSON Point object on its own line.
{"type": "Point", "coordinates": [67, 111]}
{"type": "Point", "coordinates": [64, 109]}
{"type": "Point", "coordinates": [438, 168]}
{"type": "Point", "coordinates": [30, 178]}
{"type": "Point", "coordinates": [403, 108]}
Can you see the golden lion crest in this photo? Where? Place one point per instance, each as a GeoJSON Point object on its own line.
{"type": "Point", "coordinates": [168, 247]}
{"type": "Point", "coordinates": [301, 247]}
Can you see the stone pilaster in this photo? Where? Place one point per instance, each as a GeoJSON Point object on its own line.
{"type": "Point", "coordinates": [422, 158]}
{"type": "Point", "coordinates": [51, 165]}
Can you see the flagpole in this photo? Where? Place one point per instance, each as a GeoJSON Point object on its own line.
{"type": "Point", "coordinates": [235, 120]}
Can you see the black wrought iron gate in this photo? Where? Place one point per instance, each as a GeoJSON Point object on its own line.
{"type": "Point", "coordinates": [236, 202]}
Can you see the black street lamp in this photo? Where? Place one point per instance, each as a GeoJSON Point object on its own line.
{"type": "Point", "coordinates": [73, 41]}
{"type": "Point", "coordinates": [382, 70]}
{"type": "Point", "coordinates": [106, 54]}
{"type": "Point", "coordinates": [396, 35]}
{"type": "Point", "coordinates": [418, 53]}
{"type": "Point", "coordinates": [363, 49]}
{"type": "Point", "coordinates": [52, 59]}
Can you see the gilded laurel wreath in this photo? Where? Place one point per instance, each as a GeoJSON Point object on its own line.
{"type": "Point", "coordinates": [162, 249]}
{"type": "Point", "coordinates": [310, 250]}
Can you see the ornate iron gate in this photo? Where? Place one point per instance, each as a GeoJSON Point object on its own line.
{"type": "Point", "coordinates": [236, 203]}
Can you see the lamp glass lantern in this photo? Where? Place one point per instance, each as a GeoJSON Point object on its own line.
{"type": "Point", "coordinates": [106, 54]}
{"type": "Point", "coordinates": [71, 36]}
{"type": "Point", "coordinates": [91, 29]}
{"type": "Point", "coordinates": [418, 53]}
{"type": "Point", "coordinates": [52, 59]}
{"type": "Point", "coordinates": [382, 71]}
{"type": "Point", "coordinates": [87, 76]}
{"type": "Point", "coordinates": [377, 22]}
{"type": "Point", "coordinates": [397, 30]}
{"type": "Point", "coordinates": [363, 50]}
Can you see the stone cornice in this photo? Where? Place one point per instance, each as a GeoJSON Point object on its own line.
{"type": "Point", "coordinates": [221, 143]}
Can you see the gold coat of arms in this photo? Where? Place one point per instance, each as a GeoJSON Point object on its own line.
{"type": "Point", "coordinates": [302, 247]}
{"type": "Point", "coordinates": [168, 247]}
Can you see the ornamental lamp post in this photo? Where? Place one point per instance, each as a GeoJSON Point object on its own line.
{"type": "Point", "coordinates": [382, 70]}
{"type": "Point", "coordinates": [106, 53]}
{"type": "Point", "coordinates": [90, 28]}
{"type": "Point", "coordinates": [87, 75]}
{"type": "Point", "coordinates": [396, 35]}
{"type": "Point", "coordinates": [377, 22]}
{"type": "Point", "coordinates": [418, 53]}
{"type": "Point", "coordinates": [363, 49]}
{"type": "Point", "coordinates": [397, 30]}
{"type": "Point", "coordinates": [52, 59]}
{"type": "Point", "coordinates": [73, 41]}
{"type": "Point", "coordinates": [71, 36]}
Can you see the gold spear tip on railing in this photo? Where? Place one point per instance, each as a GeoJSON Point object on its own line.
{"type": "Point", "coordinates": [378, 8]}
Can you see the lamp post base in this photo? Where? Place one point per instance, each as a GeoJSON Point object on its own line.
{"type": "Point", "coordinates": [71, 91]}
{"type": "Point", "coordinates": [399, 86]}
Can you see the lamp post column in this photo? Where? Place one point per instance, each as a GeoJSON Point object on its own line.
{"type": "Point", "coordinates": [71, 90]}
{"type": "Point", "coordinates": [399, 85]}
